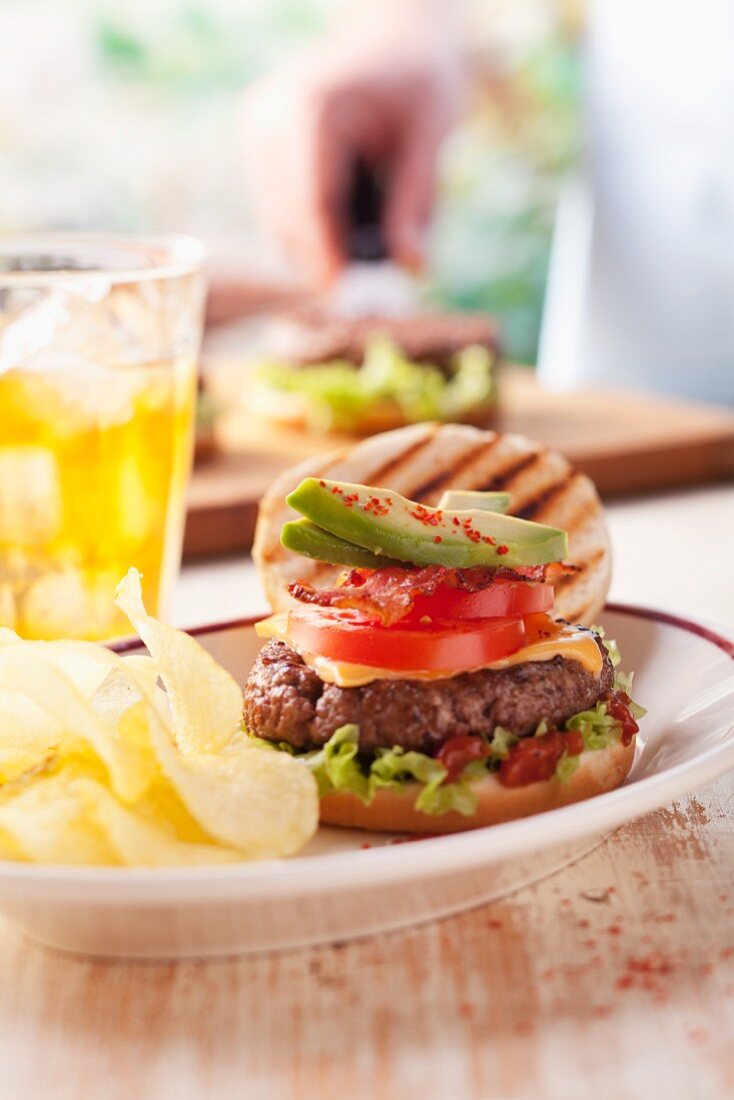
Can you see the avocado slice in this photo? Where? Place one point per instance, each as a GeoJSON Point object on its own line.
{"type": "Point", "coordinates": [463, 500]}
{"type": "Point", "coordinates": [389, 525]}
{"type": "Point", "coordinates": [304, 537]}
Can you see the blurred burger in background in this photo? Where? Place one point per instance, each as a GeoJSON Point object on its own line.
{"type": "Point", "coordinates": [359, 375]}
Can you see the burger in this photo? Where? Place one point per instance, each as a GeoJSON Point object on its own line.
{"type": "Point", "coordinates": [421, 659]}
{"type": "Point", "coordinates": [369, 374]}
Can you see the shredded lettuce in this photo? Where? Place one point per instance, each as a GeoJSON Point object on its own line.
{"type": "Point", "coordinates": [339, 397]}
{"type": "Point", "coordinates": [598, 729]}
{"type": "Point", "coordinates": [501, 743]}
{"type": "Point", "coordinates": [566, 766]}
{"type": "Point", "coordinates": [393, 767]}
{"type": "Point", "coordinates": [336, 767]}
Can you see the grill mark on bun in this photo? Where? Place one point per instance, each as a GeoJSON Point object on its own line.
{"type": "Point", "coordinates": [536, 505]}
{"type": "Point", "coordinates": [452, 476]}
{"type": "Point", "coordinates": [502, 478]}
{"type": "Point", "coordinates": [585, 509]}
{"type": "Point", "coordinates": [581, 567]}
{"type": "Point", "coordinates": [394, 464]}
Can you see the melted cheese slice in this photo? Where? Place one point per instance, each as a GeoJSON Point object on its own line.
{"type": "Point", "coordinates": [571, 643]}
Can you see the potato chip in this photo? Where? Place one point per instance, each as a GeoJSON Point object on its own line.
{"type": "Point", "coordinates": [205, 701]}
{"type": "Point", "coordinates": [47, 822]}
{"type": "Point", "coordinates": [244, 796]}
{"type": "Point", "coordinates": [27, 734]}
{"type": "Point", "coordinates": [135, 839]}
{"type": "Point", "coordinates": [99, 764]}
{"type": "Point", "coordinates": [26, 672]}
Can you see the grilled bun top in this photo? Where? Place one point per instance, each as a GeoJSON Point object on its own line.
{"type": "Point", "coordinates": [423, 460]}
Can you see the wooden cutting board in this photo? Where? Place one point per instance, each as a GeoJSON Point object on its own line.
{"type": "Point", "coordinates": [627, 443]}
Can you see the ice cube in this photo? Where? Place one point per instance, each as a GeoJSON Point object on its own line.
{"type": "Point", "coordinates": [30, 496]}
{"type": "Point", "coordinates": [71, 604]}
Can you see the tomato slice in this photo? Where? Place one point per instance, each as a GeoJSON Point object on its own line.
{"type": "Point", "coordinates": [504, 598]}
{"type": "Point", "coordinates": [447, 646]}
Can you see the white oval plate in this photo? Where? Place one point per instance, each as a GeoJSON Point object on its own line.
{"type": "Point", "coordinates": [348, 883]}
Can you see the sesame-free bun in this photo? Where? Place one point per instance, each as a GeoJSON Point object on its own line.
{"type": "Point", "coordinates": [598, 771]}
{"type": "Point", "coordinates": [423, 460]}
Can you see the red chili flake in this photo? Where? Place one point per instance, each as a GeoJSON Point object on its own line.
{"type": "Point", "coordinates": [488, 539]}
{"type": "Point", "coordinates": [376, 507]}
{"type": "Point", "coordinates": [493, 923]}
{"type": "Point", "coordinates": [322, 484]}
{"type": "Point", "coordinates": [350, 499]}
{"type": "Point", "coordinates": [614, 930]}
{"type": "Point", "coordinates": [624, 982]}
{"type": "Point", "coordinates": [726, 952]}
{"type": "Point", "coordinates": [437, 538]}
{"type": "Point", "coordinates": [456, 521]}
{"type": "Point", "coordinates": [337, 490]}
{"type": "Point", "coordinates": [503, 549]}
{"type": "Point", "coordinates": [427, 517]}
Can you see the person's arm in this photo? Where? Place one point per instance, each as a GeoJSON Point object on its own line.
{"type": "Point", "coordinates": [383, 88]}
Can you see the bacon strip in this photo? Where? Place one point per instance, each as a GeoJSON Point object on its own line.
{"type": "Point", "coordinates": [388, 594]}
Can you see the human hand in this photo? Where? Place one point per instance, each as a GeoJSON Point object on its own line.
{"type": "Point", "coordinates": [387, 98]}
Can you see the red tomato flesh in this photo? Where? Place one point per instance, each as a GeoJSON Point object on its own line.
{"type": "Point", "coordinates": [448, 646]}
{"type": "Point", "coordinates": [505, 599]}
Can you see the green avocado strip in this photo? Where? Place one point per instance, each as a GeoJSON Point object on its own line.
{"type": "Point", "coordinates": [304, 537]}
{"type": "Point", "coordinates": [389, 525]}
{"type": "Point", "coordinates": [464, 500]}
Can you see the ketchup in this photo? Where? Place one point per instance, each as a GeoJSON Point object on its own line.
{"type": "Point", "coordinates": [618, 706]}
{"type": "Point", "coordinates": [459, 751]}
{"type": "Point", "coordinates": [533, 759]}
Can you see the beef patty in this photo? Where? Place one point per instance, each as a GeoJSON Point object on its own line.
{"type": "Point", "coordinates": [284, 700]}
{"type": "Point", "coordinates": [308, 336]}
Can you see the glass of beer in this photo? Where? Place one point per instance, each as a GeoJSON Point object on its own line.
{"type": "Point", "coordinates": [99, 340]}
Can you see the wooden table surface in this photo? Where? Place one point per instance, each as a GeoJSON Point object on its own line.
{"type": "Point", "coordinates": [611, 979]}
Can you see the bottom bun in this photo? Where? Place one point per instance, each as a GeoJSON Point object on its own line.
{"type": "Point", "coordinates": [394, 811]}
